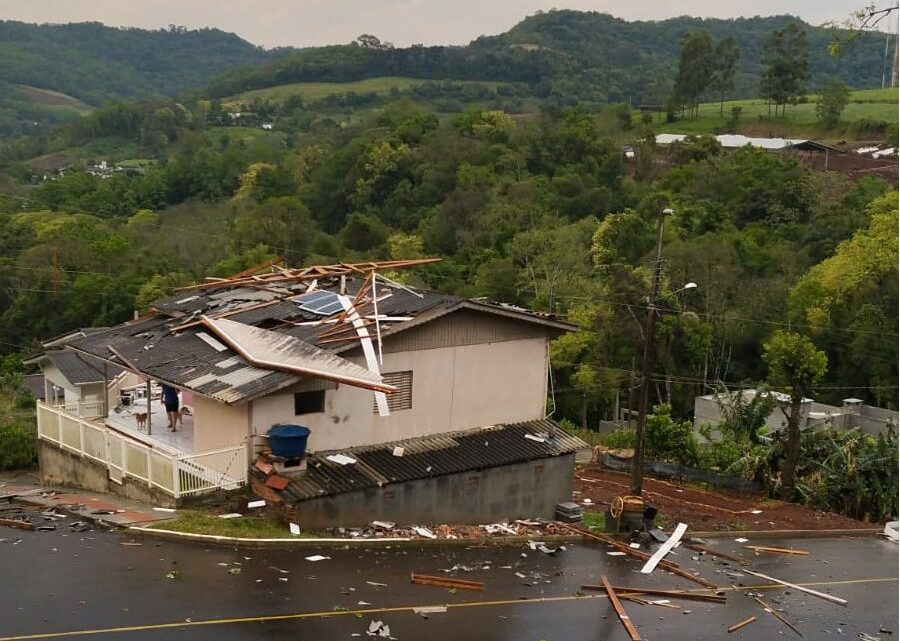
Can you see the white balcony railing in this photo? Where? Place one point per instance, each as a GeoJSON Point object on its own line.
{"type": "Point", "coordinates": [81, 409]}
{"type": "Point", "coordinates": [176, 475]}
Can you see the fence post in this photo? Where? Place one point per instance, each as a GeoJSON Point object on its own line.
{"type": "Point", "coordinates": [149, 454]}
{"type": "Point", "coordinates": [176, 481]}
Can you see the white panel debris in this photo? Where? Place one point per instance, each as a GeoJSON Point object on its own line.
{"type": "Point", "coordinates": [212, 342]}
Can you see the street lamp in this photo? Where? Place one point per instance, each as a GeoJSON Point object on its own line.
{"type": "Point", "coordinates": [687, 286]}
{"type": "Point", "coordinates": [637, 461]}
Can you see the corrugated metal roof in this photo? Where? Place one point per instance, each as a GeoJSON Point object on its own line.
{"type": "Point", "coordinates": [78, 369]}
{"type": "Point", "coordinates": [431, 456]}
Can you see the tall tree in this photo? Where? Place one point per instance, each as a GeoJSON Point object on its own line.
{"type": "Point", "coordinates": [695, 69]}
{"type": "Point", "coordinates": [832, 100]}
{"type": "Point", "coordinates": [786, 61]}
{"type": "Point", "coordinates": [725, 59]}
{"type": "Point", "coordinates": [795, 366]}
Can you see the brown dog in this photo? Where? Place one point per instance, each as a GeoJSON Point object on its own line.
{"type": "Point", "coordinates": [141, 420]}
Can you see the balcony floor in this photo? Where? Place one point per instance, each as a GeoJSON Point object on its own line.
{"type": "Point", "coordinates": [160, 437]}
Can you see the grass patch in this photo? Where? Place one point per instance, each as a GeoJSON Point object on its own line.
{"type": "Point", "coordinates": [311, 91]}
{"type": "Point", "coordinates": [594, 520]}
{"type": "Point", "coordinates": [799, 120]}
{"type": "Point", "coordinates": [248, 527]}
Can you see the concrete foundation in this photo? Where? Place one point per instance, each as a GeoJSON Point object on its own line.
{"type": "Point", "coordinates": [62, 468]}
{"type": "Point", "coordinates": [529, 489]}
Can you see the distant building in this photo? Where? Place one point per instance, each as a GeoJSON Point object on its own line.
{"type": "Point", "coordinates": [736, 141]}
{"type": "Point", "coordinates": [853, 413]}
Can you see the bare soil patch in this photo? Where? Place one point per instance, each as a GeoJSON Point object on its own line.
{"type": "Point", "coordinates": [705, 510]}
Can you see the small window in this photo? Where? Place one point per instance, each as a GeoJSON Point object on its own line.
{"type": "Point", "coordinates": [309, 402]}
{"type": "Point", "coordinates": [402, 398]}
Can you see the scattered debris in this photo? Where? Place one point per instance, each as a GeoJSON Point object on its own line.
{"type": "Point", "coordinates": [616, 553]}
{"type": "Point", "coordinates": [723, 555]}
{"type": "Point", "coordinates": [341, 459]}
{"type": "Point", "coordinates": [765, 606]}
{"type": "Point", "coordinates": [892, 530]}
{"type": "Point", "coordinates": [383, 525]}
{"type": "Point", "coordinates": [168, 510]}
{"type": "Point", "coordinates": [232, 515]}
{"type": "Point", "coordinates": [294, 528]}
{"type": "Point", "coordinates": [623, 617]}
{"type": "Point", "coordinates": [635, 546]}
{"type": "Point", "coordinates": [494, 528]}
{"type": "Point", "coordinates": [424, 531]}
{"type": "Point", "coordinates": [234, 570]}
{"type": "Point", "coordinates": [738, 626]}
{"type": "Point", "coordinates": [430, 609]}
{"type": "Point", "coordinates": [398, 451]}
{"type": "Point", "coordinates": [173, 574]}
{"type": "Point", "coordinates": [376, 584]}
{"type": "Point", "coordinates": [277, 482]}
{"type": "Point", "coordinates": [666, 547]}
{"type": "Point", "coordinates": [378, 629]}
{"type": "Point", "coordinates": [131, 544]}
{"type": "Point", "coordinates": [761, 548]}
{"type": "Point", "coordinates": [255, 504]}
{"type": "Point", "coordinates": [536, 439]}
{"type": "Point", "coordinates": [422, 579]}
{"type": "Point", "coordinates": [317, 557]}
{"type": "Point", "coordinates": [741, 540]}
{"type": "Point", "coordinates": [821, 595]}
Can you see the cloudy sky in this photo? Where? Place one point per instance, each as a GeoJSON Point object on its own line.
{"type": "Point", "coordinates": [316, 22]}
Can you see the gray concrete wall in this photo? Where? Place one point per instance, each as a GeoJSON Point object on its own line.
{"type": "Point", "coordinates": [67, 469]}
{"type": "Point", "coordinates": [530, 489]}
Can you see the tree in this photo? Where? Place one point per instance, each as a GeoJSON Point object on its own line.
{"type": "Point", "coordinates": [786, 61]}
{"type": "Point", "coordinates": [725, 59]}
{"type": "Point", "coordinates": [833, 98]}
{"type": "Point", "coordinates": [695, 69]}
{"type": "Point", "coordinates": [795, 366]}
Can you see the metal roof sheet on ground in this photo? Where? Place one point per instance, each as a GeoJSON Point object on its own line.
{"type": "Point", "coordinates": [431, 456]}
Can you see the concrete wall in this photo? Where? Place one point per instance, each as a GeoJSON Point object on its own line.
{"type": "Point", "coordinates": [217, 425]}
{"type": "Point", "coordinates": [454, 388]}
{"type": "Point", "coordinates": [530, 489]}
{"type": "Point", "coordinates": [706, 410]}
{"type": "Point", "coordinates": [67, 469]}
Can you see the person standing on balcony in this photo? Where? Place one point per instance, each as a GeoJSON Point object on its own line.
{"type": "Point", "coordinates": [170, 400]}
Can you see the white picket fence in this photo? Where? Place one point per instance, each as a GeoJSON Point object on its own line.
{"type": "Point", "coordinates": [176, 475]}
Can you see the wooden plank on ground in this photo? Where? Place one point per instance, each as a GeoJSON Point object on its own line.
{"type": "Point", "coordinates": [716, 553]}
{"type": "Point", "coordinates": [762, 548]}
{"type": "Point", "coordinates": [673, 594]}
{"type": "Point", "coordinates": [443, 582]}
{"type": "Point", "coordinates": [623, 616]}
{"type": "Point", "coordinates": [21, 525]}
{"type": "Point", "coordinates": [738, 626]}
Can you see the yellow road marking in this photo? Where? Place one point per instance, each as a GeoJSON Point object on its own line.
{"type": "Point", "coordinates": [403, 608]}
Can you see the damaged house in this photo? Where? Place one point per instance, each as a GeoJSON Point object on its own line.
{"type": "Point", "coordinates": [421, 407]}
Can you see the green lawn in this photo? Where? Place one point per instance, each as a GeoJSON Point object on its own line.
{"type": "Point", "coordinates": [317, 90]}
{"type": "Point", "coordinates": [248, 527]}
{"type": "Point", "coordinates": [799, 120]}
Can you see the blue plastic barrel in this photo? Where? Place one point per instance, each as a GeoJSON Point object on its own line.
{"type": "Point", "coordinates": [288, 441]}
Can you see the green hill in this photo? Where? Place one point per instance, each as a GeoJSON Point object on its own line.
{"type": "Point", "coordinates": [95, 63]}
{"type": "Point", "coordinates": [566, 56]}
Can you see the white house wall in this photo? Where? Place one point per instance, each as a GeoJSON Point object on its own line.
{"type": "Point", "coordinates": [53, 375]}
{"type": "Point", "coordinates": [454, 388]}
{"type": "Point", "coordinates": [217, 425]}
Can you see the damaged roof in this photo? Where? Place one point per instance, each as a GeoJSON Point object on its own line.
{"type": "Point", "coordinates": [238, 339]}
{"type": "Point", "coordinates": [431, 456]}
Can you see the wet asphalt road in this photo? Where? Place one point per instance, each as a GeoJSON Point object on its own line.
{"type": "Point", "coordinates": [59, 582]}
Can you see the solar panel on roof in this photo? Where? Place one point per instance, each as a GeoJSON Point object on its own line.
{"type": "Point", "coordinates": [321, 302]}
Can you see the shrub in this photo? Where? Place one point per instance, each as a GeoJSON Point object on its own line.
{"type": "Point", "coordinates": [669, 439]}
{"type": "Point", "coordinates": [620, 439]}
{"type": "Point", "coordinates": [18, 447]}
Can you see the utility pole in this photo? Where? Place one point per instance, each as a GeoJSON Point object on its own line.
{"type": "Point", "coordinates": [637, 461]}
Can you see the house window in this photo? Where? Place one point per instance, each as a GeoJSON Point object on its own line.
{"type": "Point", "coordinates": [309, 402]}
{"type": "Point", "coordinates": [402, 398]}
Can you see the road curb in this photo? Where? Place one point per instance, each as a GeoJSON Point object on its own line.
{"type": "Point", "coordinates": [213, 539]}
{"type": "Point", "coordinates": [787, 534]}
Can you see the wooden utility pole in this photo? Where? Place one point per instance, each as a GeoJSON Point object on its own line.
{"type": "Point", "coordinates": [637, 461]}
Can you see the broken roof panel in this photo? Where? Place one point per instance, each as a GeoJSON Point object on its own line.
{"type": "Point", "coordinates": [78, 369]}
{"type": "Point", "coordinates": [275, 350]}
